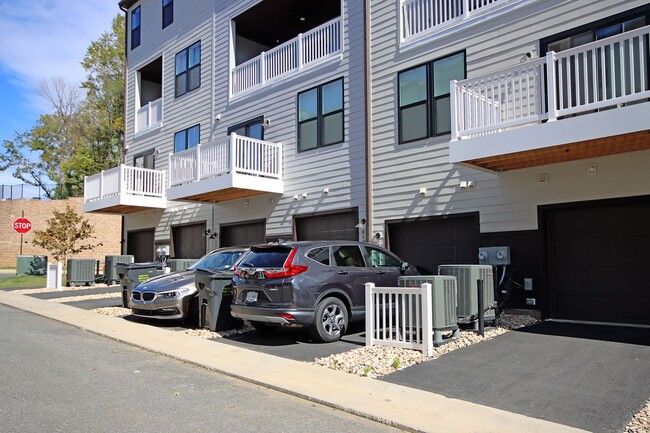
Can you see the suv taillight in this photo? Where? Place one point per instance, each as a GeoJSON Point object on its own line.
{"type": "Point", "coordinates": [288, 269]}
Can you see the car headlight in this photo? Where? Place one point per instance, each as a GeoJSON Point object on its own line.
{"type": "Point", "coordinates": [172, 294]}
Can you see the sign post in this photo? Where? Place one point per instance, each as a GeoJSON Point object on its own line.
{"type": "Point", "coordinates": [22, 225]}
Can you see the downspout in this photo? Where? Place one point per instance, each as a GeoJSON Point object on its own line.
{"type": "Point", "coordinates": [368, 123]}
{"type": "Point", "coordinates": [124, 76]}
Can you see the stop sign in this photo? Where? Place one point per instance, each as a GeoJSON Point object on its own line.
{"type": "Point", "coordinates": [22, 225]}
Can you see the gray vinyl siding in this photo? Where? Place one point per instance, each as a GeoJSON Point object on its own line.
{"type": "Point", "coordinates": [339, 167]}
{"type": "Point", "coordinates": [506, 201]}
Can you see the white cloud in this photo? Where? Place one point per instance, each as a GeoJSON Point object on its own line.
{"type": "Point", "coordinates": [41, 39]}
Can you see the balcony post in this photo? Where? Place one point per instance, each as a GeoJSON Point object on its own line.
{"type": "Point", "coordinates": [120, 180]}
{"type": "Point", "coordinates": [465, 9]}
{"type": "Point", "coordinates": [198, 162]}
{"type": "Point", "coordinates": [101, 184]}
{"type": "Point", "coordinates": [262, 68]}
{"type": "Point", "coordinates": [279, 159]}
{"type": "Point", "coordinates": [233, 145]}
{"type": "Point", "coordinates": [551, 85]}
{"type": "Point", "coordinates": [454, 110]}
{"type": "Point", "coordinates": [169, 168]}
{"type": "Point", "coordinates": [149, 115]}
{"type": "Point", "coordinates": [299, 52]}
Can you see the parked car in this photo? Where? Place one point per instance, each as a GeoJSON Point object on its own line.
{"type": "Point", "coordinates": [320, 285]}
{"type": "Point", "coordinates": [174, 296]}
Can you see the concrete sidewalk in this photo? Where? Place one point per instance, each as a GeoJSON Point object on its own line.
{"type": "Point", "coordinates": [403, 407]}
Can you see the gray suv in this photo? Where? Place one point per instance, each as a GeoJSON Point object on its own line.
{"type": "Point", "coordinates": [317, 284]}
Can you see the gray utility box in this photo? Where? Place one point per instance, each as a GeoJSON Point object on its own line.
{"type": "Point", "coordinates": [80, 271]}
{"type": "Point", "coordinates": [466, 280]}
{"type": "Point", "coordinates": [180, 265]}
{"type": "Point", "coordinates": [444, 303]}
{"type": "Point", "coordinates": [31, 265]}
{"type": "Point", "coordinates": [132, 274]}
{"type": "Point", "coordinates": [215, 297]}
{"type": "Point", "coordinates": [110, 274]}
{"type": "Point", "coordinates": [494, 256]}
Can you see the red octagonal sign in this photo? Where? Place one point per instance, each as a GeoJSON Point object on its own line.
{"type": "Point", "coordinates": [22, 225]}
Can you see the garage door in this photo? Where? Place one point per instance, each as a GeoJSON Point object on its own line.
{"type": "Point", "coordinates": [599, 256]}
{"type": "Point", "coordinates": [242, 234]}
{"type": "Point", "coordinates": [429, 243]}
{"type": "Point", "coordinates": [331, 226]}
{"type": "Point", "coordinates": [189, 241]}
{"type": "Point", "coordinates": [140, 244]}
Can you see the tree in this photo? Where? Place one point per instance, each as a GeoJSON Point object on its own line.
{"type": "Point", "coordinates": [103, 111]}
{"type": "Point", "coordinates": [65, 233]}
{"type": "Point", "coordinates": [83, 133]}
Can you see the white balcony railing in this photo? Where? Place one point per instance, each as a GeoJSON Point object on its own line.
{"type": "Point", "coordinates": [400, 317]}
{"type": "Point", "coordinates": [233, 154]}
{"type": "Point", "coordinates": [149, 116]}
{"type": "Point", "coordinates": [602, 74]}
{"type": "Point", "coordinates": [125, 180]}
{"type": "Point", "coordinates": [300, 52]}
{"type": "Point", "coordinates": [422, 17]}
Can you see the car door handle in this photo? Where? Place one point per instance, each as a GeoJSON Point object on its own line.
{"type": "Point", "coordinates": [342, 272]}
{"type": "Point", "coordinates": [381, 272]}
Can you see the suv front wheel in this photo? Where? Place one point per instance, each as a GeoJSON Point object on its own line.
{"type": "Point", "coordinates": [330, 320]}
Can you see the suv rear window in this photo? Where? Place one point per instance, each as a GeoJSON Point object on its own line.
{"type": "Point", "coordinates": [266, 257]}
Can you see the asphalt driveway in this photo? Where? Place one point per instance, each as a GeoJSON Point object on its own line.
{"type": "Point", "coordinates": [586, 376]}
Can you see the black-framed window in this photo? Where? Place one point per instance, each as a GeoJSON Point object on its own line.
{"type": "Point", "coordinates": [187, 138]}
{"type": "Point", "coordinates": [424, 98]}
{"type": "Point", "coordinates": [188, 69]}
{"type": "Point", "coordinates": [145, 160]}
{"type": "Point", "coordinates": [135, 27]}
{"type": "Point", "coordinates": [251, 128]}
{"type": "Point", "coordinates": [167, 12]}
{"type": "Point", "coordinates": [320, 116]}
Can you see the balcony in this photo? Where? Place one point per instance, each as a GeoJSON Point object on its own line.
{"type": "Point", "coordinates": [589, 101]}
{"type": "Point", "coordinates": [422, 18]}
{"type": "Point", "coordinates": [304, 51]}
{"type": "Point", "coordinates": [230, 168]}
{"type": "Point", "coordinates": [149, 116]}
{"type": "Point", "coordinates": [124, 189]}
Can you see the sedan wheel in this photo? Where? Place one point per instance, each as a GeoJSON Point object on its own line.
{"type": "Point", "coordinates": [330, 320]}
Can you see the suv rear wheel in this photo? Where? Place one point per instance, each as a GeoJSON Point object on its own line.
{"type": "Point", "coordinates": [330, 320]}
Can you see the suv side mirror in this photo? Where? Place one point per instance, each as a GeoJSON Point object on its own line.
{"type": "Point", "coordinates": [404, 266]}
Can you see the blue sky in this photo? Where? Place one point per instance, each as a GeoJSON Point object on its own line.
{"type": "Point", "coordinates": [39, 40]}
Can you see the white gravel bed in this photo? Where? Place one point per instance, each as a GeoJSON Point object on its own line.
{"type": "Point", "coordinates": [640, 423]}
{"type": "Point", "coordinates": [207, 334]}
{"type": "Point", "coordinates": [113, 311]}
{"type": "Point", "coordinates": [377, 361]}
{"type": "Point", "coordinates": [86, 297]}
{"type": "Point", "coordinates": [63, 289]}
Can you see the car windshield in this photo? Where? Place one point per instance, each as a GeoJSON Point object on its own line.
{"type": "Point", "coordinates": [266, 257]}
{"type": "Point", "coordinates": [218, 260]}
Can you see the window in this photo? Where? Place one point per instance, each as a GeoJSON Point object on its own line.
{"type": "Point", "coordinates": [188, 69]}
{"type": "Point", "coordinates": [135, 27]}
{"type": "Point", "coordinates": [349, 256]}
{"type": "Point", "coordinates": [379, 259]}
{"type": "Point", "coordinates": [187, 138]}
{"type": "Point", "coordinates": [144, 161]}
{"type": "Point", "coordinates": [320, 116]}
{"type": "Point", "coordinates": [320, 255]}
{"type": "Point", "coordinates": [251, 128]}
{"type": "Point", "coordinates": [167, 12]}
{"type": "Point", "coordinates": [424, 99]}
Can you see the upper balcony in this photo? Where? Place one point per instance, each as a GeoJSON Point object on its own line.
{"type": "Point", "coordinates": [275, 40]}
{"type": "Point", "coordinates": [585, 102]}
{"type": "Point", "coordinates": [230, 168]}
{"type": "Point", "coordinates": [148, 97]}
{"type": "Point", "coordinates": [424, 18]}
{"type": "Point", "coordinates": [149, 116]}
{"type": "Point", "coordinates": [124, 189]}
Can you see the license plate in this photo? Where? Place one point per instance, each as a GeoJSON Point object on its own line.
{"type": "Point", "coordinates": [251, 296]}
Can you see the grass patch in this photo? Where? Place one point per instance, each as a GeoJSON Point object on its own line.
{"type": "Point", "coordinates": [22, 281]}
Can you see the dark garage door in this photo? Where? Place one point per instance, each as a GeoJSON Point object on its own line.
{"type": "Point", "coordinates": [189, 241]}
{"type": "Point", "coordinates": [599, 256]}
{"type": "Point", "coordinates": [242, 234]}
{"type": "Point", "coordinates": [333, 226]}
{"type": "Point", "coordinates": [437, 241]}
{"type": "Point", "coordinates": [140, 244]}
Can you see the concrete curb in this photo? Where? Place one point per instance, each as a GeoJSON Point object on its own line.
{"type": "Point", "coordinates": [391, 404]}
